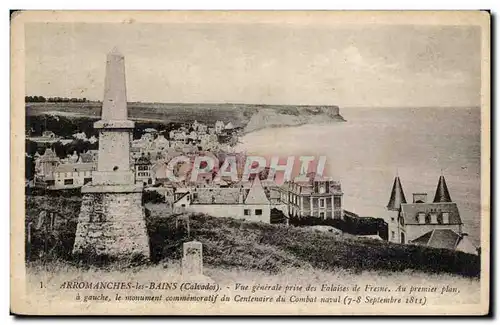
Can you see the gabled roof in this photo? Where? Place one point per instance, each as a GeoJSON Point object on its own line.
{"type": "Point", "coordinates": [442, 194]}
{"type": "Point", "coordinates": [76, 167]}
{"type": "Point", "coordinates": [181, 197]}
{"type": "Point", "coordinates": [424, 239]}
{"type": "Point", "coordinates": [397, 196]}
{"type": "Point", "coordinates": [49, 155]}
{"type": "Point", "coordinates": [256, 195]}
{"type": "Point", "coordinates": [410, 212]}
{"type": "Point", "coordinates": [439, 238]}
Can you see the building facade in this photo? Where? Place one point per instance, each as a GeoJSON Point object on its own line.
{"type": "Point", "coordinates": [143, 169]}
{"type": "Point", "coordinates": [72, 175]}
{"type": "Point", "coordinates": [315, 198]}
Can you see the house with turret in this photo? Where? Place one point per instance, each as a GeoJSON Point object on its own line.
{"type": "Point", "coordinates": [435, 223]}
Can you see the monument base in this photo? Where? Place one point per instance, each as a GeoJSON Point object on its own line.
{"type": "Point", "coordinates": [112, 224]}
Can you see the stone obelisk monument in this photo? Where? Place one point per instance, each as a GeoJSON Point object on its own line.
{"type": "Point", "coordinates": [112, 219]}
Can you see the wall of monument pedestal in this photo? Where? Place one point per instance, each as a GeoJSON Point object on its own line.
{"type": "Point", "coordinates": [112, 224]}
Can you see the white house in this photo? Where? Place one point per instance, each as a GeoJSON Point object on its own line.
{"type": "Point", "coordinates": [233, 202]}
{"type": "Point", "coordinates": [436, 224]}
{"type": "Point", "coordinates": [73, 175]}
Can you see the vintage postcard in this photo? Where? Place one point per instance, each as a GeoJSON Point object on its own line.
{"type": "Point", "coordinates": [250, 163]}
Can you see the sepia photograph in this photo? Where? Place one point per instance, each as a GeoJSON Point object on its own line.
{"type": "Point", "coordinates": [250, 163]}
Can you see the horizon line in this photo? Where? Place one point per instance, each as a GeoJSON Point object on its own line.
{"type": "Point", "coordinates": [263, 104]}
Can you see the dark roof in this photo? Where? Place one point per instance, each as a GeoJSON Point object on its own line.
{"type": "Point", "coordinates": [410, 211]}
{"type": "Point", "coordinates": [439, 238]}
{"type": "Point", "coordinates": [350, 214]}
{"type": "Point", "coordinates": [144, 160]}
{"type": "Point", "coordinates": [75, 167]}
{"type": "Point", "coordinates": [442, 194]}
{"type": "Point", "coordinates": [424, 239]}
{"type": "Point", "coordinates": [397, 196]}
{"type": "Point", "coordinates": [86, 157]}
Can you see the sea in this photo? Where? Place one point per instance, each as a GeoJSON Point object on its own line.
{"type": "Point", "coordinates": [374, 145]}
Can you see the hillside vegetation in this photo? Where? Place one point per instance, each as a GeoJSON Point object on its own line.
{"type": "Point", "coordinates": [230, 243]}
{"type": "Point", "coordinates": [239, 115]}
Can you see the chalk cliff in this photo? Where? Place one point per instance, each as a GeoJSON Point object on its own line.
{"type": "Point", "coordinates": [292, 116]}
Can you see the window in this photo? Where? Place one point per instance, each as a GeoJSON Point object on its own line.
{"type": "Point", "coordinates": [322, 215]}
{"type": "Point", "coordinates": [321, 203]}
{"type": "Point", "coordinates": [392, 219]}
{"type": "Point", "coordinates": [258, 212]}
{"type": "Point", "coordinates": [337, 202]}
{"type": "Point", "coordinates": [246, 212]}
{"type": "Point", "coordinates": [393, 234]}
{"type": "Point", "coordinates": [68, 182]}
{"type": "Point", "coordinates": [87, 180]}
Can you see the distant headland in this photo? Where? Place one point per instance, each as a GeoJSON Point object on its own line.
{"type": "Point", "coordinates": [248, 117]}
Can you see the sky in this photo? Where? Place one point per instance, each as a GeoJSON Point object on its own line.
{"type": "Point", "coordinates": [350, 66]}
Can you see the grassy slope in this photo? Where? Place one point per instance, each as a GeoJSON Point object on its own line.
{"type": "Point", "coordinates": [230, 243]}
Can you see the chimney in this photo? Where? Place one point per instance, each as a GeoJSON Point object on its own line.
{"type": "Point", "coordinates": [419, 197]}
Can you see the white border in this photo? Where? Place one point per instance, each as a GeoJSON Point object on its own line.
{"type": "Point", "coordinates": [186, 4]}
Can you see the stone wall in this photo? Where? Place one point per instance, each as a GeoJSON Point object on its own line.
{"type": "Point", "coordinates": [112, 224]}
{"type": "Point", "coordinates": [113, 144]}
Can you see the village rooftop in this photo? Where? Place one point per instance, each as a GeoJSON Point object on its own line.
{"type": "Point", "coordinates": [193, 168]}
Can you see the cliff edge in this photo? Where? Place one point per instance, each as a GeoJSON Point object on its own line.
{"type": "Point", "coordinates": [292, 116]}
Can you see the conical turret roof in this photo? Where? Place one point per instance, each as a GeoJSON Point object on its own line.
{"type": "Point", "coordinates": [442, 194]}
{"type": "Point", "coordinates": [397, 196]}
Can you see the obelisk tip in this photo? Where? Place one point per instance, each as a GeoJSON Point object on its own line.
{"type": "Point", "coordinates": [115, 51]}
